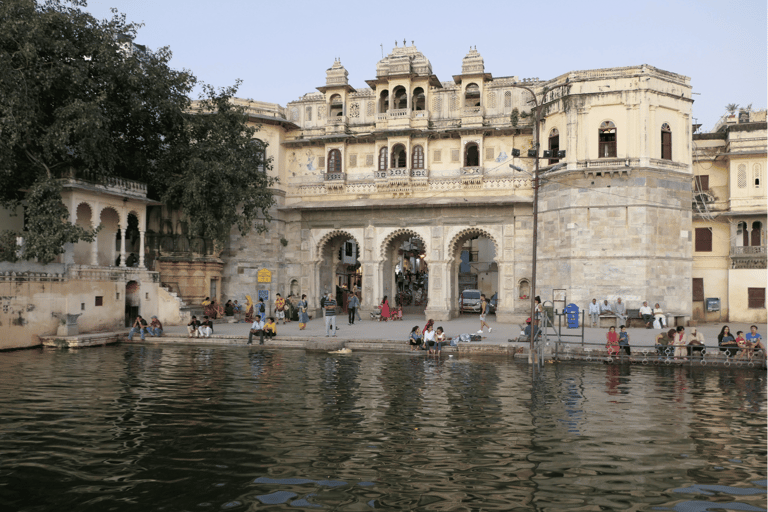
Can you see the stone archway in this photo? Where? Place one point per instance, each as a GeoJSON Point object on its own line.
{"type": "Point", "coordinates": [407, 248]}
{"type": "Point", "coordinates": [338, 267]}
{"type": "Point", "coordinates": [472, 263]}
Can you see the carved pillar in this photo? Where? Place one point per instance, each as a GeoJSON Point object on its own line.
{"type": "Point", "coordinates": [439, 307]}
{"type": "Point", "coordinates": [122, 246]}
{"type": "Point", "coordinates": [141, 249]}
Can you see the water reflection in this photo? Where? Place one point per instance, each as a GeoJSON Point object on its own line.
{"type": "Point", "coordinates": [183, 428]}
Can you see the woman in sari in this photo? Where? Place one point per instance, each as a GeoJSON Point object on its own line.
{"type": "Point", "coordinates": [303, 316]}
{"type": "Point", "coordinates": [385, 309]}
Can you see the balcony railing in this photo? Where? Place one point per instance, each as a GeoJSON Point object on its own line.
{"type": "Point", "coordinates": [111, 183]}
{"type": "Point", "coordinates": [400, 113]}
{"type": "Point", "coordinates": [335, 176]}
{"type": "Point", "coordinates": [399, 172]}
{"type": "Point", "coordinates": [749, 250]}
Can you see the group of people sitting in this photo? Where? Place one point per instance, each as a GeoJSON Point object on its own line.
{"type": "Point", "coordinates": [154, 328]}
{"type": "Point", "coordinates": [741, 345]}
{"type": "Point", "coordinates": [263, 330]}
{"type": "Point", "coordinates": [652, 317]}
{"type": "Point", "coordinates": [684, 345]}
{"type": "Point", "coordinates": [198, 329]}
{"type": "Point", "coordinates": [429, 339]}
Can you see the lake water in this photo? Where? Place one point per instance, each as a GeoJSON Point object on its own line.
{"type": "Point", "coordinates": [142, 428]}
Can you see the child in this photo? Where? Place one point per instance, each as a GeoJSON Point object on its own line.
{"type": "Point", "coordinates": [743, 345]}
{"type": "Point", "coordinates": [400, 312]}
{"type": "Point", "coordinates": [440, 339]}
{"type": "Point", "coordinates": [624, 339]}
{"type": "Point", "coordinates": [612, 342]}
{"type": "Point", "coordinates": [270, 328]}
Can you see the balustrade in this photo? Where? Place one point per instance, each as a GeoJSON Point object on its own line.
{"type": "Point", "coordinates": [399, 113]}
{"type": "Point", "coordinates": [335, 176]}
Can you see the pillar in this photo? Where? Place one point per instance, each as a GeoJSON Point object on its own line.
{"type": "Point", "coordinates": [122, 246]}
{"type": "Point", "coordinates": [141, 249]}
{"type": "Point", "coordinates": [95, 244]}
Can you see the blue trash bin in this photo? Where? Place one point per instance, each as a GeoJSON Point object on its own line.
{"type": "Point", "coordinates": [572, 316]}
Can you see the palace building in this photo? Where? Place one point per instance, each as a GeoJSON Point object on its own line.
{"type": "Point", "coordinates": [414, 159]}
{"type": "Point", "coordinates": [411, 172]}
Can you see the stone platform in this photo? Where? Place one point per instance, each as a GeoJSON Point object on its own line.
{"type": "Point", "coordinates": [84, 340]}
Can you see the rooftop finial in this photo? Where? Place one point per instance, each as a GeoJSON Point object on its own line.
{"type": "Point", "coordinates": [395, 43]}
{"type": "Point", "coordinates": [403, 42]}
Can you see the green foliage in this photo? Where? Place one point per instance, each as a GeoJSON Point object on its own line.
{"type": "Point", "coordinates": [73, 98]}
{"type": "Point", "coordinates": [731, 108]}
{"type": "Point", "coordinates": [216, 172]}
{"type": "Point", "coordinates": [515, 117]}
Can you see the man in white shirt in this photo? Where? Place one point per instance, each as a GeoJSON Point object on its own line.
{"type": "Point", "coordinates": [257, 327]}
{"type": "Point", "coordinates": [647, 313]}
{"type": "Point", "coordinates": [594, 311]}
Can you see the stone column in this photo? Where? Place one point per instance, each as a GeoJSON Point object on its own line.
{"type": "Point", "coordinates": [439, 307]}
{"type": "Point", "coordinates": [95, 245]}
{"type": "Point", "coordinates": [122, 246]}
{"type": "Point", "coordinates": [141, 249]}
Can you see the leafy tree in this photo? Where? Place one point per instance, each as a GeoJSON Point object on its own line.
{"type": "Point", "coordinates": [75, 99]}
{"type": "Point", "coordinates": [216, 172]}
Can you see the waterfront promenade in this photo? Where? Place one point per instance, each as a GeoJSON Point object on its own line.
{"type": "Point", "coordinates": [390, 334]}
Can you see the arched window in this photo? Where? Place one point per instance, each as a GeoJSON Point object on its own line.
{"type": "Point", "coordinates": [757, 228]}
{"type": "Point", "coordinates": [471, 155]}
{"type": "Point", "coordinates": [337, 106]}
{"type": "Point", "coordinates": [399, 160]}
{"type": "Point", "coordinates": [757, 173]}
{"type": "Point", "coordinates": [607, 140]}
{"type": "Point", "coordinates": [400, 98]}
{"type": "Point", "coordinates": [554, 145]}
{"type": "Point", "coordinates": [742, 235]}
{"type": "Point", "coordinates": [334, 161]}
{"type": "Point", "coordinates": [417, 159]}
{"type": "Point", "coordinates": [383, 158]}
{"type": "Point", "coordinates": [419, 100]}
{"type": "Point", "coordinates": [260, 153]}
{"type": "Point", "coordinates": [666, 142]}
{"type": "Point", "coordinates": [472, 96]}
{"type": "Point", "coordinates": [383, 101]}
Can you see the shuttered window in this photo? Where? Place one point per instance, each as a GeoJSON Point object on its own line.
{"type": "Point", "coordinates": [702, 183]}
{"type": "Point", "coordinates": [666, 142]}
{"type": "Point", "coordinates": [334, 161]}
{"type": "Point", "coordinates": [698, 288]}
{"type": "Point", "coordinates": [756, 298]}
{"type": "Point", "coordinates": [703, 239]}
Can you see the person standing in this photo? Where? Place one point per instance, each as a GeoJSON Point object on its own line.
{"type": "Point", "coordinates": [483, 314]}
{"type": "Point", "coordinates": [257, 327]}
{"type": "Point", "coordinates": [330, 315]}
{"type": "Point", "coordinates": [352, 304]}
{"type": "Point", "coordinates": [594, 312]}
{"type": "Point", "coordinates": [303, 316]}
{"type": "Point", "coordinates": [280, 308]}
{"type": "Point", "coordinates": [155, 327]}
{"type": "Point", "coordinates": [385, 309]}
{"type": "Point", "coordinates": [140, 326]}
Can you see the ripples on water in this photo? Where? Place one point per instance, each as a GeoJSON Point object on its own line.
{"type": "Point", "coordinates": [189, 428]}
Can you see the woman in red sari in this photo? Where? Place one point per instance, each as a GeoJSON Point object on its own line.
{"type": "Point", "coordinates": [612, 341]}
{"type": "Point", "coordinates": [385, 309]}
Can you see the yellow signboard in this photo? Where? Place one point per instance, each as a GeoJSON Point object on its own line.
{"type": "Point", "coordinates": [264, 276]}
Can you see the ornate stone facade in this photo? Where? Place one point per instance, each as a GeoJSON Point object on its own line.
{"type": "Point", "coordinates": [435, 161]}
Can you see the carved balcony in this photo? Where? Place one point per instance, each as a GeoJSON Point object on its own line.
{"type": "Point", "coordinates": [471, 177]}
{"type": "Point", "coordinates": [754, 256]}
{"type": "Point", "coordinates": [335, 182]}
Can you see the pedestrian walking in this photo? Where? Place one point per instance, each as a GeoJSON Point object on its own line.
{"type": "Point", "coordinates": [330, 315]}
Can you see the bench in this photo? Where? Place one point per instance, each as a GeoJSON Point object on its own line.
{"type": "Point", "coordinates": [633, 317]}
{"type": "Point", "coordinates": [606, 320]}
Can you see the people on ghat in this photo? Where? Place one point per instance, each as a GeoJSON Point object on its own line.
{"type": "Point", "coordinates": [429, 339]}
{"type": "Point", "coordinates": [439, 339]}
{"type": "Point", "coordinates": [646, 313]}
{"type": "Point", "coordinates": [594, 312]}
{"type": "Point", "coordinates": [624, 339]}
{"type": "Point", "coordinates": [680, 347]}
{"type": "Point", "coordinates": [206, 327]}
{"type": "Point", "coordinates": [415, 338]}
{"type": "Point", "coordinates": [726, 341]}
{"type": "Point", "coordinates": [663, 342]}
{"type": "Point", "coordinates": [620, 310]}
{"type": "Point", "coordinates": [192, 327]}
{"type": "Point", "coordinates": [612, 342]}
{"type": "Point", "coordinates": [658, 315]}
{"type": "Point", "coordinates": [695, 341]}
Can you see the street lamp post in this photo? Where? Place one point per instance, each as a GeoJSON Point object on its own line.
{"type": "Point", "coordinates": [534, 153]}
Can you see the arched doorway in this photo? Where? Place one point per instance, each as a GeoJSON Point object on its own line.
{"type": "Point", "coordinates": [472, 265]}
{"type": "Point", "coordinates": [132, 301]}
{"type": "Point", "coordinates": [84, 219]}
{"type": "Point", "coordinates": [405, 273]}
{"type": "Point", "coordinates": [339, 269]}
{"type": "Point", "coordinates": [108, 238]}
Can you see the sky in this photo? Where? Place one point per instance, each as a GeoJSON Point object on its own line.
{"type": "Point", "coordinates": [281, 49]}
